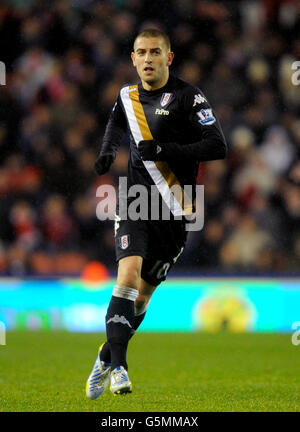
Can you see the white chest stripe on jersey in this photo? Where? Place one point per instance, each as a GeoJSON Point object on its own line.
{"type": "Point", "coordinates": [152, 169]}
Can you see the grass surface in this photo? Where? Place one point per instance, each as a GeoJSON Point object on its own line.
{"type": "Point", "coordinates": [47, 371]}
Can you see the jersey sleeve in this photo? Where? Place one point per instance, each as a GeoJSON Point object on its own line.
{"type": "Point", "coordinates": [210, 143]}
{"type": "Point", "coordinates": [115, 130]}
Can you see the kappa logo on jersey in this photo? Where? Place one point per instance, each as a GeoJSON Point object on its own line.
{"type": "Point", "coordinates": [199, 99]}
{"type": "Point", "coordinates": [165, 99]}
{"type": "Point", "coordinates": [206, 116]}
{"type": "Point", "coordinates": [124, 241]}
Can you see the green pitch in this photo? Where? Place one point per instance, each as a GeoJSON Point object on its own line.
{"type": "Point", "coordinates": [47, 371]}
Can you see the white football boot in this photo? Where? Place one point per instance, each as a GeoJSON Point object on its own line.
{"type": "Point", "coordinates": [98, 379]}
{"type": "Point", "coordinates": [119, 381]}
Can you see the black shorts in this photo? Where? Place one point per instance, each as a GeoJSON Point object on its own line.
{"type": "Point", "coordinates": [159, 242]}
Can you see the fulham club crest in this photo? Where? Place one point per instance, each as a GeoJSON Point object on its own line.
{"type": "Point", "coordinates": [124, 241]}
{"type": "Point", "coordinates": [166, 98]}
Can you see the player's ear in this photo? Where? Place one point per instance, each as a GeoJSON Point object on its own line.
{"type": "Point", "coordinates": [170, 58]}
{"type": "Point", "coordinates": [133, 58]}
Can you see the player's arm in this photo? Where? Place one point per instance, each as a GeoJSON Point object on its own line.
{"type": "Point", "coordinates": [210, 145]}
{"type": "Point", "coordinates": [114, 133]}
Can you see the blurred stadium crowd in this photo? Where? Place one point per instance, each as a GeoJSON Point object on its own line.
{"type": "Point", "coordinates": [66, 61]}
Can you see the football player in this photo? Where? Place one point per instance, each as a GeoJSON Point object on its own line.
{"type": "Point", "coordinates": [172, 128]}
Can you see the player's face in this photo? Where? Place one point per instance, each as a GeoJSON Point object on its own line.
{"type": "Point", "coordinates": [152, 59]}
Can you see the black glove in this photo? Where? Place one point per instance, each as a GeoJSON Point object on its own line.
{"type": "Point", "coordinates": [103, 163]}
{"type": "Point", "coordinates": [152, 150]}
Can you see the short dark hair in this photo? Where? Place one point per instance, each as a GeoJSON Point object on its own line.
{"type": "Point", "coordinates": [153, 32]}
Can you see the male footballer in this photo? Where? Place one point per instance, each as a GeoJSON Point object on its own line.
{"type": "Point", "coordinates": [172, 128]}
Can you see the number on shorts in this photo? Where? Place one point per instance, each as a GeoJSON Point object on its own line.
{"type": "Point", "coordinates": [160, 269]}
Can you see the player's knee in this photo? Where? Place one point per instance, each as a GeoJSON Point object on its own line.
{"type": "Point", "coordinates": [129, 271]}
{"type": "Point", "coordinates": [129, 276]}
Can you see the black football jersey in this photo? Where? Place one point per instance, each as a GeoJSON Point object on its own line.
{"type": "Point", "coordinates": [176, 113]}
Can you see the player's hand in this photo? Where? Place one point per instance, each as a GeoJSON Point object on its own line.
{"type": "Point", "coordinates": [152, 150]}
{"type": "Point", "coordinates": [103, 164]}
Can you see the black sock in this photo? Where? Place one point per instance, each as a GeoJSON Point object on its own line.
{"type": "Point", "coordinates": [119, 323]}
{"type": "Point", "coordinates": [105, 352]}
